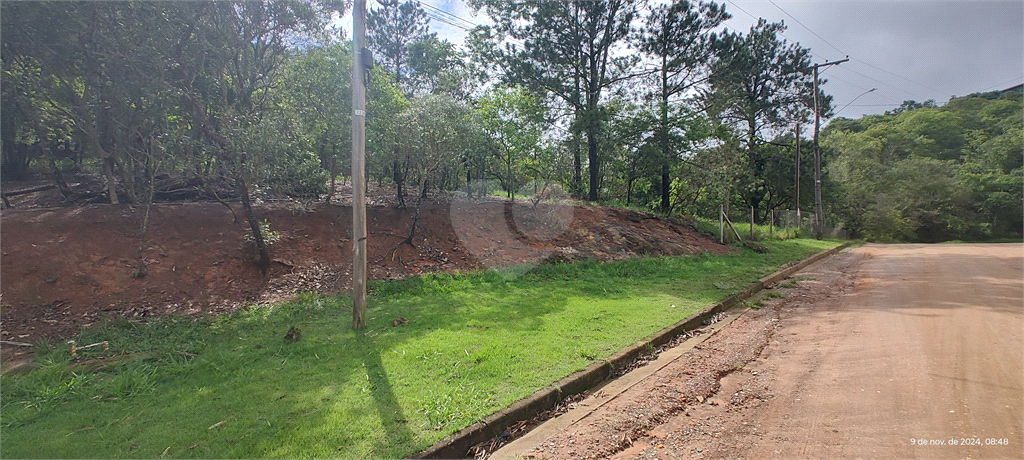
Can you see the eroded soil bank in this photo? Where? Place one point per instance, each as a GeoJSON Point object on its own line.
{"type": "Point", "coordinates": [64, 268]}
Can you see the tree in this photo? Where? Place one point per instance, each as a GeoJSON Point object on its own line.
{"type": "Point", "coordinates": [939, 133]}
{"type": "Point", "coordinates": [704, 182]}
{"type": "Point", "coordinates": [760, 85]}
{"type": "Point", "coordinates": [318, 92]}
{"type": "Point", "coordinates": [141, 80]}
{"type": "Point", "coordinates": [242, 46]}
{"type": "Point", "coordinates": [514, 122]}
{"type": "Point", "coordinates": [633, 147]}
{"type": "Point", "coordinates": [29, 123]}
{"type": "Point", "coordinates": [678, 38]}
{"type": "Point", "coordinates": [437, 67]}
{"type": "Point", "coordinates": [933, 173]}
{"type": "Point", "coordinates": [570, 51]}
{"type": "Point", "coordinates": [438, 132]}
{"type": "Point", "coordinates": [391, 30]}
{"type": "Point", "coordinates": [90, 65]}
{"type": "Point", "coordinates": [384, 102]}
{"type": "Point", "coordinates": [911, 104]}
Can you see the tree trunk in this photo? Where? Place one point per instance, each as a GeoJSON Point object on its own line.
{"type": "Point", "coordinates": [334, 175]}
{"type": "Point", "coordinates": [666, 183]}
{"type": "Point", "coordinates": [755, 204]}
{"type": "Point", "coordinates": [58, 178]}
{"type": "Point", "coordinates": [577, 172]}
{"type": "Point", "coordinates": [510, 221]}
{"type": "Point", "coordinates": [594, 166]}
{"type": "Point", "coordinates": [416, 215]}
{"type": "Point", "coordinates": [663, 135]}
{"type": "Point", "coordinates": [511, 179]}
{"type": "Point", "coordinates": [399, 183]}
{"type": "Point", "coordinates": [263, 262]}
{"type": "Point", "coordinates": [333, 164]}
{"type": "Point", "coordinates": [141, 268]}
{"type": "Point", "coordinates": [128, 180]}
{"type": "Point", "coordinates": [108, 174]}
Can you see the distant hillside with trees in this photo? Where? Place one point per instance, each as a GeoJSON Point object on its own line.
{"type": "Point", "coordinates": [928, 173]}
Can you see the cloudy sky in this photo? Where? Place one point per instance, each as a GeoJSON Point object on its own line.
{"type": "Point", "coordinates": [907, 50]}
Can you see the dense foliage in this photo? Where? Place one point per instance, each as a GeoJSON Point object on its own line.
{"type": "Point", "coordinates": [928, 173]}
{"type": "Point", "coordinates": [616, 101]}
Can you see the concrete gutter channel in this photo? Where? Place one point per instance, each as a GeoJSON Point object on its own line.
{"type": "Point", "coordinates": [458, 444]}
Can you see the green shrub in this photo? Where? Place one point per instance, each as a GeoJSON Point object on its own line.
{"type": "Point", "coordinates": [296, 174]}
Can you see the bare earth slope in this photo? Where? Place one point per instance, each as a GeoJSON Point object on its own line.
{"type": "Point", "coordinates": [62, 268]}
{"type": "Point", "coordinates": [873, 352]}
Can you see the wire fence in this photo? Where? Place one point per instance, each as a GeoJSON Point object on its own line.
{"type": "Point", "coordinates": [803, 222]}
{"type": "Point", "coordinates": [778, 224]}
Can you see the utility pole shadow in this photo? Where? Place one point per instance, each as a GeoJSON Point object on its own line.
{"type": "Point", "coordinates": [389, 410]}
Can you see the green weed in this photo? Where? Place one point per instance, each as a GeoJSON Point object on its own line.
{"type": "Point", "coordinates": [472, 344]}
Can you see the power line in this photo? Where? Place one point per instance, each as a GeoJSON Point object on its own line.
{"type": "Point", "coordinates": [453, 20]}
{"type": "Point", "coordinates": [905, 78]}
{"type": "Point", "coordinates": [855, 59]}
{"type": "Point", "coordinates": [884, 83]}
{"type": "Point", "coordinates": [1001, 84]}
{"type": "Point", "coordinates": [446, 21]}
{"type": "Point", "coordinates": [755, 18]}
{"type": "Point", "coordinates": [805, 27]}
{"type": "Point", "coordinates": [833, 77]}
{"type": "Point", "coordinates": [441, 19]}
{"type": "Point", "coordinates": [745, 11]}
{"type": "Point", "coordinates": [837, 49]}
{"type": "Point", "coordinates": [439, 13]}
{"type": "Point", "coordinates": [467, 22]}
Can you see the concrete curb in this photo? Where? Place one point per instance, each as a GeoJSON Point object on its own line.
{"type": "Point", "coordinates": [458, 444]}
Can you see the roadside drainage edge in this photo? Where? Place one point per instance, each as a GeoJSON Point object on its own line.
{"type": "Point", "coordinates": [457, 445]}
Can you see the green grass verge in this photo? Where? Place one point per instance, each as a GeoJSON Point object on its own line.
{"type": "Point", "coordinates": [474, 343]}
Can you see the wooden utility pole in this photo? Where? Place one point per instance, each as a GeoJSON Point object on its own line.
{"type": "Point", "coordinates": [797, 200]}
{"type": "Point", "coordinates": [358, 166]}
{"type": "Point", "coordinates": [819, 219]}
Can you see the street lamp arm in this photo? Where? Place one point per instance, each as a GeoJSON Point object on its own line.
{"type": "Point", "coordinates": [855, 100]}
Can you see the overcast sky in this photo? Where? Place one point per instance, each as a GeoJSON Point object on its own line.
{"type": "Point", "coordinates": [907, 50]}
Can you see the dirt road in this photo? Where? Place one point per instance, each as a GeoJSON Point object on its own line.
{"type": "Point", "coordinates": [883, 351]}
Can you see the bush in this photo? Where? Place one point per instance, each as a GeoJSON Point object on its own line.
{"type": "Point", "coordinates": [296, 174]}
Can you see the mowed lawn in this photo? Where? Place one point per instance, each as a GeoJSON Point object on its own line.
{"type": "Point", "coordinates": [472, 345]}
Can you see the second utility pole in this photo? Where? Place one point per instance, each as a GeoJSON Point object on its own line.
{"type": "Point", "coordinates": [819, 219]}
{"type": "Point", "coordinates": [797, 200]}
